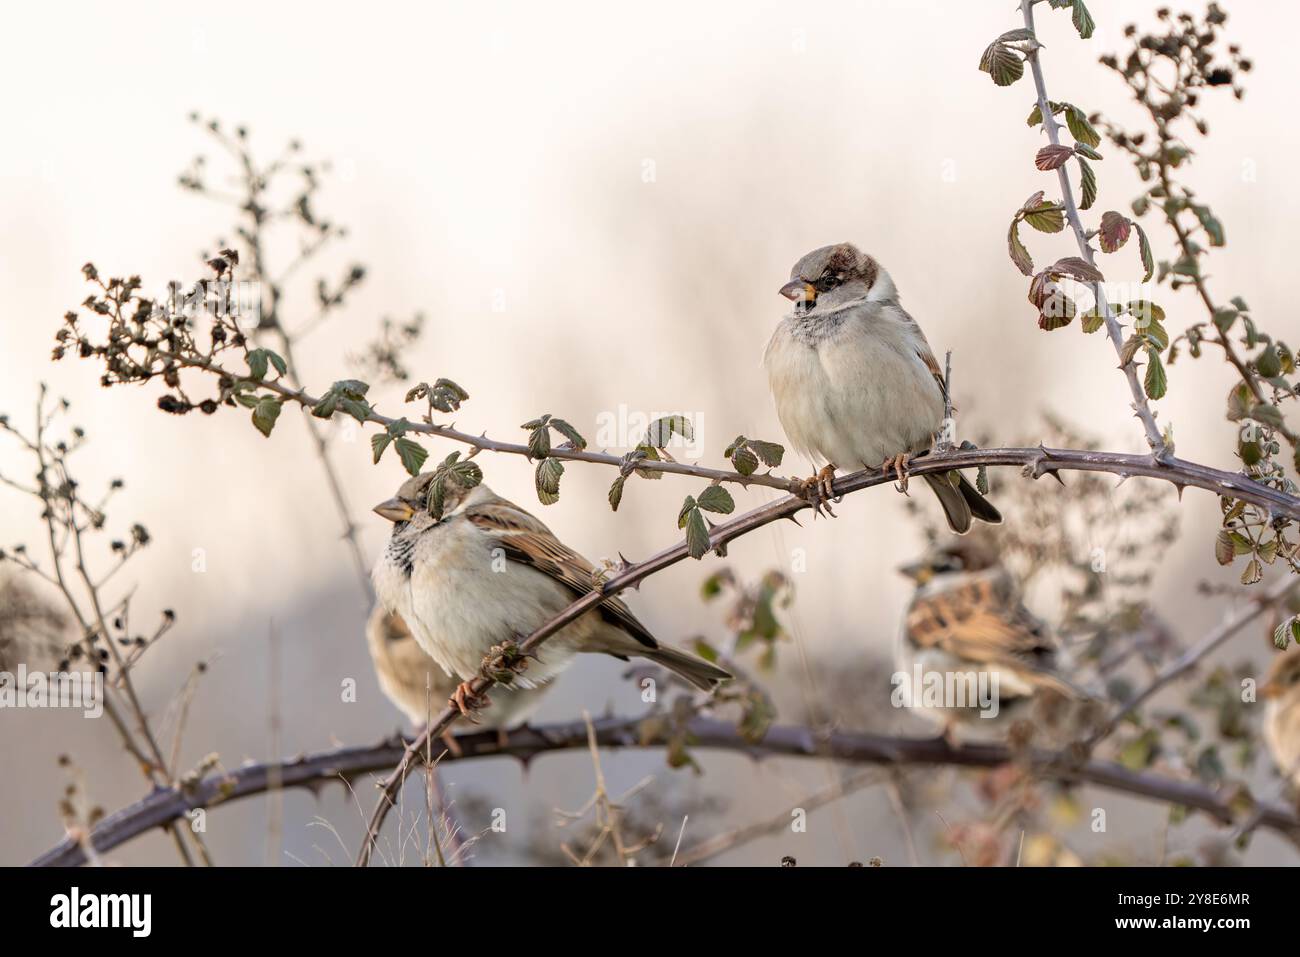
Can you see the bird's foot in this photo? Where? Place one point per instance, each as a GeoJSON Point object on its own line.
{"type": "Point", "coordinates": [467, 702]}
{"type": "Point", "coordinates": [898, 465]}
{"type": "Point", "coordinates": [818, 490]}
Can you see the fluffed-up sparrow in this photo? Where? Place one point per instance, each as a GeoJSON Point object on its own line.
{"type": "Point", "coordinates": [484, 572]}
{"type": "Point", "coordinates": [966, 617]}
{"type": "Point", "coordinates": [855, 382]}
{"type": "Point", "coordinates": [1282, 715]}
{"type": "Point", "coordinates": [418, 686]}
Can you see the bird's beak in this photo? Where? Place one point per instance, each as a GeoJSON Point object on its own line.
{"type": "Point", "coordinates": [919, 572]}
{"type": "Point", "coordinates": [395, 510]}
{"type": "Point", "coordinates": [796, 290]}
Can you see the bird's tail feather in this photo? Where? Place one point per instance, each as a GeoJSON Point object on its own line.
{"type": "Point", "coordinates": [689, 667]}
{"type": "Point", "coordinates": [961, 502]}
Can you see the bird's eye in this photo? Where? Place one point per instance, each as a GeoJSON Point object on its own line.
{"type": "Point", "coordinates": [828, 282]}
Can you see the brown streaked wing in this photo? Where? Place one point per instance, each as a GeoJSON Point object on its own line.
{"type": "Point", "coordinates": [528, 542]}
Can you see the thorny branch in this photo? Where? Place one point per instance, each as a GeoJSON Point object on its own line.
{"type": "Point", "coordinates": [313, 770]}
{"type": "Point", "coordinates": [1113, 331]}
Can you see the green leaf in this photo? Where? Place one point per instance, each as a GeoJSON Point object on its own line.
{"type": "Point", "coordinates": [411, 453]}
{"type": "Point", "coordinates": [1287, 632]}
{"type": "Point", "coordinates": [661, 430]}
{"type": "Point", "coordinates": [1083, 149]}
{"type": "Point", "coordinates": [1144, 248]}
{"type": "Point", "coordinates": [378, 443]}
{"type": "Point", "coordinates": [1156, 382]}
{"type": "Point", "coordinates": [265, 413]}
{"type": "Point", "coordinates": [770, 452]}
{"type": "Point", "coordinates": [1213, 228]}
{"type": "Point", "coordinates": [982, 480]}
{"type": "Point", "coordinates": [1080, 128]}
{"type": "Point", "coordinates": [1224, 318]}
{"type": "Point", "coordinates": [257, 360]}
{"type": "Point", "coordinates": [616, 492]}
{"type": "Point", "coordinates": [547, 480]}
{"type": "Point", "coordinates": [539, 442]}
{"type": "Point", "coordinates": [1266, 414]}
{"type": "Point", "coordinates": [570, 433]}
{"type": "Point", "coordinates": [1087, 185]}
{"type": "Point", "coordinates": [1002, 63]}
{"type": "Point", "coordinates": [715, 498]}
{"type": "Point", "coordinates": [697, 534]}
{"type": "Point", "coordinates": [280, 366]}
{"type": "Point", "coordinates": [687, 506]}
{"type": "Point", "coordinates": [1092, 320]}
{"type": "Point", "coordinates": [1082, 19]}
{"type": "Point", "coordinates": [745, 461]}
{"type": "Point", "coordinates": [359, 409]}
{"type": "Point", "coordinates": [1268, 362]}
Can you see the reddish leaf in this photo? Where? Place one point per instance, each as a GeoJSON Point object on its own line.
{"type": "Point", "coordinates": [1052, 157]}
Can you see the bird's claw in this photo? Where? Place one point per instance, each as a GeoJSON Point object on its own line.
{"type": "Point", "coordinates": [467, 702]}
{"type": "Point", "coordinates": [898, 465]}
{"type": "Point", "coordinates": [819, 490]}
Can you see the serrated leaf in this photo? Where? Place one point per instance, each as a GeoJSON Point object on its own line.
{"type": "Point", "coordinates": [1082, 20]}
{"type": "Point", "coordinates": [1076, 268]}
{"type": "Point", "coordinates": [570, 433]}
{"type": "Point", "coordinates": [353, 388]}
{"type": "Point", "coordinates": [1144, 250]}
{"type": "Point", "coordinates": [411, 453]}
{"type": "Point", "coordinates": [446, 396]}
{"type": "Point", "coordinates": [744, 461]}
{"type": "Point", "coordinates": [1079, 127]}
{"type": "Point", "coordinates": [688, 505]}
{"type": "Point", "coordinates": [359, 409]}
{"type": "Point", "coordinates": [1083, 149]}
{"type": "Point", "coordinates": [770, 452]}
{"type": "Point", "coordinates": [1253, 573]}
{"type": "Point", "coordinates": [277, 362]}
{"type": "Point", "coordinates": [1114, 231]}
{"type": "Point", "coordinates": [616, 492]}
{"type": "Point", "coordinates": [1052, 156]}
{"type": "Point", "coordinates": [257, 360]}
{"type": "Point", "coordinates": [1129, 349]}
{"type": "Point", "coordinates": [1092, 320]}
{"type": "Point", "coordinates": [546, 478]}
{"type": "Point", "coordinates": [1156, 382]}
{"type": "Point", "coordinates": [1087, 185]}
{"type": "Point", "coordinates": [1002, 63]}
{"type": "Point", "coordinates": [265, 413]}
{"type": "Point", "coordinates": [539, 442]}
{"type": "Point", "coordinates": [324, 409]}
{"type": "Point", "coordinates": [661, 430]}
{"type": "Point", "coordinates": [715, 498]}
{"type": "Point", "coordinates": [1224, 553]}
{"type": "Point", "coordinates": [378, 443]}
{"type": "Point", "coordinates": [1019, 254]}
{"type": "Point", "coordinates": [697, 534]}
{"type": "Point", "coordinates": [1046, 217]}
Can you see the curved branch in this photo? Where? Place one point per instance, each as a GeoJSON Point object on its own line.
{"type": "Point", "coordinates": [1036, 462]}
{"type": "Point", "coordinates": [167, 805]}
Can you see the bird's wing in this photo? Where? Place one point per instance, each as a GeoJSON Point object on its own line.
{"type": "Point", "coordinates": [528, 542]}
{"type": "Point", "coordinates": [981, 621]}
{"type": "Point", "coordinates": [923, 350]}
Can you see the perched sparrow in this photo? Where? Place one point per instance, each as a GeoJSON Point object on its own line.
{"type": "Point", "coordinates": [966, 618]}
{"type": "Point", "coordinates": [485, 572]}
{"type": "Point", "coordinates": [855, 383]}
{"type": "Point", "coordinates": [418, 686]}
{"type": "Point", "coordinates": [1282, 715]}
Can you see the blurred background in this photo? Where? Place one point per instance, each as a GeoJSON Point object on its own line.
{"type": "Point", "coordinates": [593, 207]}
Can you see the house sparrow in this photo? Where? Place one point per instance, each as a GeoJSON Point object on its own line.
{"type": "Point", "coordinates": [855, 383]}
{"type": "Point", "coordinates": [966, 618]}
{"type": "Point", "coordinates": [417, 685]}
{"type": "Point", "coordinates": [484, 572]}
{"type": "Point", "coordinates": [1282, 715]}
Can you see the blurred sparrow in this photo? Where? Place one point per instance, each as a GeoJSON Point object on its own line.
{"type": "Point", "coordinates": [855, 383]}
{"type": "Point", "coordinates": [486, 572]}
{"type": "Point", "coordinates": [966, 617]}
{"type": "Point", "coordinates": [1282, 715]}
{"type": "Point", "coordinates": [418, 686]}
